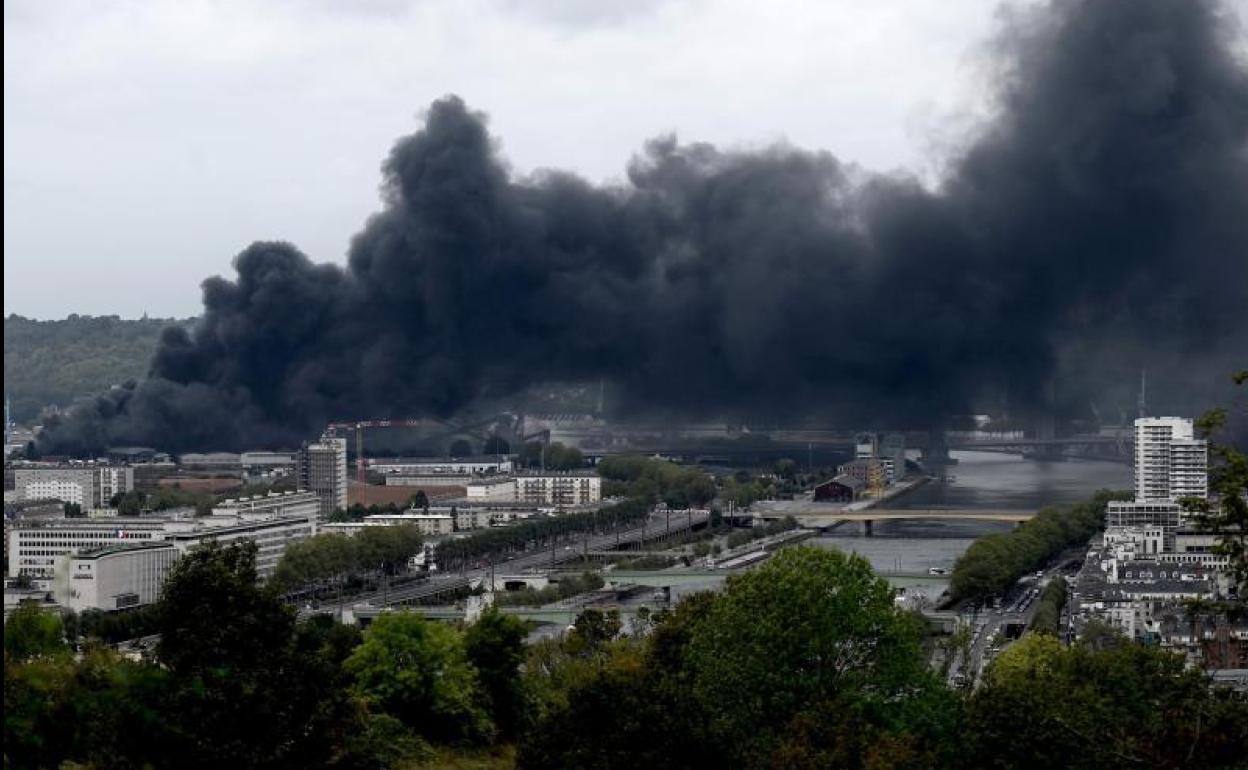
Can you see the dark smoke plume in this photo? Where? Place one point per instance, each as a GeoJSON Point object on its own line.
{"type": "Point", "coordinates": [1099, 220]}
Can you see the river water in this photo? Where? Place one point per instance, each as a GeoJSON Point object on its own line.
{"type": "Point", "coordinates": [980, 480]}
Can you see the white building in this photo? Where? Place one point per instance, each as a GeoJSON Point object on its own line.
{"type": "Point", "coordinates": [91, 486]}
{"type": "Point", "coordinates": [1170, 462]}
{"type": "Point", "coordinates": [1133, 513]}
{"type": "Point", "coordinates": [559, 487]}
{"type": "Point", "coordinates": [303, 503]}
{"type": "Point", "coordinates": [429, 524]}
{"type": "Point", "coordinates": [440, 466]}
{"type": "Point", "coordinates": [35, 546]}
{"type": "Point", "coordinates": [495, 490]}
{"type": "Point", "coordinates": [39, 549]}
{"type": "Point", "coordinates": [261, 459]}
{"type": "Point", "coordinates": [323, 470]}
{"type": "Point", "coordinates": [117, 577]}
{"type": "Point", "coordinates": [271, 535]}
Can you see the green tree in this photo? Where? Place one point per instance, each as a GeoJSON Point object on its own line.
{"type": "Point", "coordinates": [809, 627]}
{"type": "Point", "coordinates": [33, 632]}
{"type": "Point", "coordinates": [1228, 481]}
{"type": "Point", "coordinates": [419, 673]}
{"type": "Point", "coordinates": [1127, 705]}
{"type": "Point", "coordinates": [245, 693]}
{"type": "Point", "coordinates": [495, 647]}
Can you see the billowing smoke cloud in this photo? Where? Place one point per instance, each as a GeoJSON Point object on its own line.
{"type": "Point", "coordinates": [1100, 218]}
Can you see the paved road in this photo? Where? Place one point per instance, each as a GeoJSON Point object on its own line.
{"type": "Point", "coordinates": [1017, 606]}
{"type": "Point", "coordinates": [536, 559]}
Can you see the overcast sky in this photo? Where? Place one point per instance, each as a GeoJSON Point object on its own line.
{"type": "Point", "coordinates": [146, 143]}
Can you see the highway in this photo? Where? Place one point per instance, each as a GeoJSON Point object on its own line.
{"type": "Point", "coordinates": [656, 526]}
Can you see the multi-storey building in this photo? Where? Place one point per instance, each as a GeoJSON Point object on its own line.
{"type": "Point", "coordinates": [559, 487]}
{"type": "Point", "coordinates": [38, 549]}
{"type": "Point", "coordinates": [1170, 462]}
{"type": "Point", "coordinates": [91, 486]}
{"type": "Point", "coordinates": [303, 503]}
{"type": "Point", "coordinates": [323, 470]}
{"type": "Point", "coordinates": [117, 577]}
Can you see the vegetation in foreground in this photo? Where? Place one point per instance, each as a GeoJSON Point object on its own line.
{"type": "Point", "coordinates": [802, 663]}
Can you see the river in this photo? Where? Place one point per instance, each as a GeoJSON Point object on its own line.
{"type": "Point", "coordinates": [981, 480]}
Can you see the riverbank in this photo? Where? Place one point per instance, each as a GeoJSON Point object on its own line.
{"type": "Point", "coordinates": [894, 492]}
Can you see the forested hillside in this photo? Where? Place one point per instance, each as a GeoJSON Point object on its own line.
{"type": "Point", "coordinates": [54, 362]}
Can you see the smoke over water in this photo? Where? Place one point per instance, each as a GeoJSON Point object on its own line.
{"type": "Point", "coordinates": [1100, 219]}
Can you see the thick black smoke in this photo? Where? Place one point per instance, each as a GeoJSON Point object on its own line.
{"type": "Point", "coordinates": [1099, 219]}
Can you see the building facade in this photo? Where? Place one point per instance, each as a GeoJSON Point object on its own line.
{"type": "Point", "coordinates": [440, 466]}
{"type": "Point", "coordinates": [497, 490]}
{"type": "Point", "coordinates": [1170, 462]}
{"type": "Point", "coordinates": [303, 503]}
{"type": "Point", "coordinates": [117, 577]}
{"type": "Point", "coordinates": [323, 470]}
{"type": "Point", "coordinates": [40, 549]}
{"type": "Point", "coordinates": [559, 487]}
{"type": "Point", "coordinates": [91, 486]}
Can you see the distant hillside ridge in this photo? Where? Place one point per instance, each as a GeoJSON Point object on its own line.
{"type": "Point", "coordinates": [52, 363]}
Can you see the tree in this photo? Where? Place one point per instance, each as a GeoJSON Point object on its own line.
{"type": "Point", "coordinates": [809, 627]}
{"type": "Point", "coordinates": [247, 692]}
{"type": "Point", "coordinates": [420, 500]}
{"type": "Point", "coordinates": [495, 646]}
{"type": "Point", "coordinates": [33, 632]}
{"type": "Point", "coordinates": [1228, 480]}
{"type": "Point", "coordinates": [1127, 705]}
{"type": "Point", "coordinates": [73, 511]}
{"type": "Point", "coordinates": [419, 673]}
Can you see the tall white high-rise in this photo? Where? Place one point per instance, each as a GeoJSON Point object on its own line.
{"type": "Point", "coordinates": [1170, 462]}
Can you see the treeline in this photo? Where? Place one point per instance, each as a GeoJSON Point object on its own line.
{"type": "Point", "coordinates": [53, 363]}
{"type": "Point", "coordinates": [739, 537]}
{"type": "Point", "coordinates": [494, 544]}
{"type": "Point", "coordinates": [135, 502]}
{"type": "Point", "coordinates": [656, 481]}
{"type": "Point", "coordinates": [723, 680]}
{"type": "Point", "coordinates": [235, 681]}
{"type": "Point", "coordinates": [332, 558]}
{"type": "Point", "coordinates": [994, 562]}
{"type": "Point", "coordinates": [727, 680]}
{"type": "Point", "coordinates": [357, 511]}
{"type": "Point", "coordinates": [1048, 615]}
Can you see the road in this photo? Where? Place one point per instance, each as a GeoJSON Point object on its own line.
{"type": "Point", "coordinates": [1017, 606]}
{"type": "Point", "coordinates": [655, 525]}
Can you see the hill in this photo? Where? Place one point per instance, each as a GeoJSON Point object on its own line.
{"type": "Point", "coordinates": [51, 363]}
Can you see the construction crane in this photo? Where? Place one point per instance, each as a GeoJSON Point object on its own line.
{"type": "Point", "coordinates": [336, 428]}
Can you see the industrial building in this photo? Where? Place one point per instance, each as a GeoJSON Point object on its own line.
{"type": "Point", "coordinates": [440, 466]}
